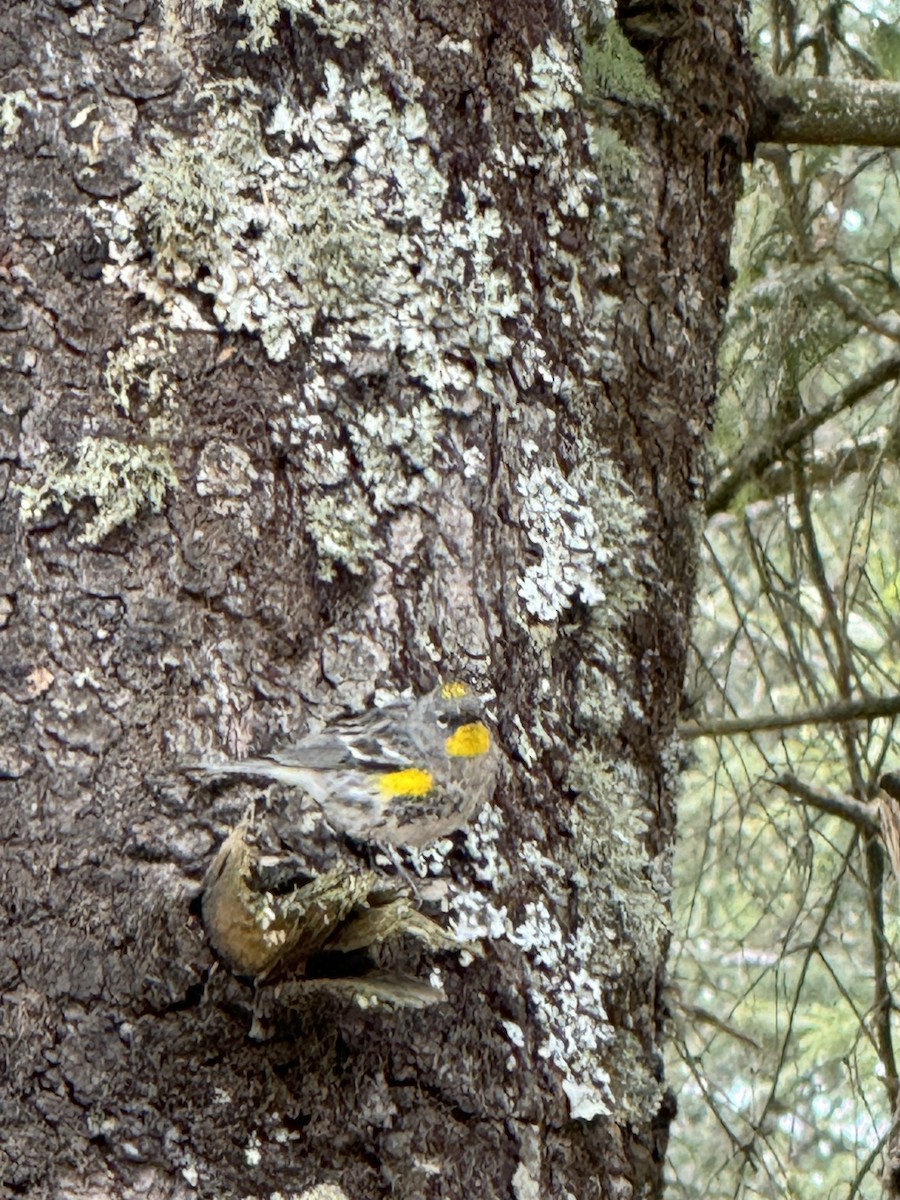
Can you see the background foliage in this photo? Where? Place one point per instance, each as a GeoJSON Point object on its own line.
{"type": "Point", "coordinates": [785, 962]}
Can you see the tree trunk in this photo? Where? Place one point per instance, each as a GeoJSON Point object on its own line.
{"type": "Point", "coordinates": [337, 363]}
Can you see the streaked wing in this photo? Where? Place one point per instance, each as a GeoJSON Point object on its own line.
{"type": "Point", "coordinates": [325, 752]}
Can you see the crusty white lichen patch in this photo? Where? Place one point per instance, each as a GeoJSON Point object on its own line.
{"type": "Point", "coordinates": [600, 703]}
{"type": "Point", "coordinates": [588, 530]}
{"type": "Point", "coordinates": [341, 20]}
{"type": "Point", "coordinates": [526, 1180]}
{"type": "Point", "coordinates": [13, 105]}
{"type": "Point", "coordinates": [623, 921]}
{"type": "Point", "coordinates": [322, 1191]}
{"type": "Point", "coordinates": [252, 1150]}
{"type": "Point", "coordinates": [344, 496]}
{"type": "Point", "coordinates": [549, 83]}
{"type": "Point", "coordinates": [228, 481]}
{"type": "Point", "coordinates": [326, 230]}
{"type": "Point", "coordinates": [119, 478]}
{"type": "Point", "coordinates": [326, 221]}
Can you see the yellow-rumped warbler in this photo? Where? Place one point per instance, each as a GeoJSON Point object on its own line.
{"type": "Point", "coordinates": [405, 774]}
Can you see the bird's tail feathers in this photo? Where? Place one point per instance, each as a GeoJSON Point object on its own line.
{"type": "Point", "coordinates": [252, 766]}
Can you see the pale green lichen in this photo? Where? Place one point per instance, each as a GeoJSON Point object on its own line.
{"type": "Point", "coordinates": [613, 158]}
{"type": "Point", "coordinates": [611, 66]}
{"type": "Point", "coordinates": [341, 528]}
{"type": "Point", "coordinates": [329, 234]}
{"type": "Point", "coordinates": [117, 478]}
{"type": "Point", "coordinates": [140, 367]}
{"type": "Point", "coordinates": [315, 236]}
{"type": "Point", "coordinates": [387, 444]}
{"type": "Point", "coordinates": [601, 703]}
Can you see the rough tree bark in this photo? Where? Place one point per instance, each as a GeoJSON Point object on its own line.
{"type": "Point", "coordinates": [346, 350]}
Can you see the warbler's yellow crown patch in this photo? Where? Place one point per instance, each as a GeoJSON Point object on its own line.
{"type": "Point", "coordinates": [453, 691]}
{"type": "Point", "coordinates": [411, 782]}
{"type": "Point", "coordinates": [468, 741]}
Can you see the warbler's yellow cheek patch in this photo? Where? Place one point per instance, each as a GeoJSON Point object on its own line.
{"type": "Point", "coordinates": [468, 741]}
{"type": "Point", "coordinates": [411, 782]}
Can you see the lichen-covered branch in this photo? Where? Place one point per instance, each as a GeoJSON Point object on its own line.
{"type": "Point", "coordinates": [829, 112]}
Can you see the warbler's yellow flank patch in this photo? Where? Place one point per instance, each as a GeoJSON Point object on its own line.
{"type": "Point", "coordinates": [453, 691]}
{"type": "Point", "coordinates": [468, 741]}
{"type": "Point", "coordinates": [411, 782]}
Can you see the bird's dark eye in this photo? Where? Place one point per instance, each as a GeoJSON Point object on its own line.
{"type": "Point", "coordinates": [443, 720]}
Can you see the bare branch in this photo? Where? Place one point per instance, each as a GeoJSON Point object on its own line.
{"type": "Point", "coordinates": [756, 459]}
{"type": "Point", "coordinates": [828, 469]}
{"type": "Point", "coordinates": [887, 325]}
{"type": "Point", "coordinates": [832, 714]}
{"type": "Point", "coordinates": [861, 815]}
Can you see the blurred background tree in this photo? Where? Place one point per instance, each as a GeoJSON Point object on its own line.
{"type": "Point", "coordinates": [785, 961]}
